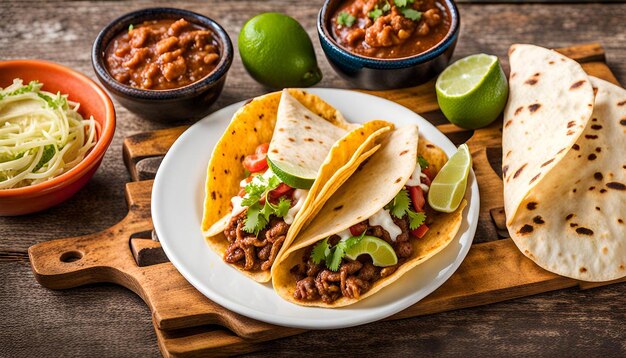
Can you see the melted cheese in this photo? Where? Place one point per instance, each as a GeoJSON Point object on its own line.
{"type": "Point", "coordinates": [300, 196]}
{"type": "Point", "coordinates": [383, 218]}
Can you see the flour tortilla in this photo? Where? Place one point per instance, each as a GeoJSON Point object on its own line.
{"type": "Point", "coordinates": [570, 220]}
{"type": "Point", "coordinates": [368, 190]}
{"type": "Point", "coordinates": [254, 124]}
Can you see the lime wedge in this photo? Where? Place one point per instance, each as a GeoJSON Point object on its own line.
{"type": "Point", "coordinates": [380, 251]}
{"type": "Point", "coordinates": [292, 179]}
{"type": "Point", "coordinates": [448, 187]}
{"type": "Point", "coordinates": [472, 92]}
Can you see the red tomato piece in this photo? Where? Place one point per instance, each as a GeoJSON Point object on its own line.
{"type": "Point", "coordinates": [358, 229]}
{"type": "Point", "coordinates": [420, 231]}
{"type": "Point", "coordinates": [428, 174]}
{"type": "Point", "coordinates": [417, 197]}
{"type": "Point", "coordinates": [282, 190]}
{"type": "Point", "coordinates": [257, 162]}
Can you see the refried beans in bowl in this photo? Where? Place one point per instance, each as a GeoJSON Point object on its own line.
{"type": "Point", "coordinates": [163, 64]}
{"type": "Point", "coordinates": [162, 54]}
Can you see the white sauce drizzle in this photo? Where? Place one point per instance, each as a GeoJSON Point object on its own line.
{"type": "Point", "coordinates": [300, 196]}
{"type": "Point", "coordinates": [236, 200]}
{"type": "Point", "coordinates": [383, 218]}
{"type": "Point", "coordinates": [415, 179]}
{"type": "Point", "coordinates": [345, 234]}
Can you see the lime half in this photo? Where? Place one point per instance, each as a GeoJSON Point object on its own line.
{"type": "Point", "coordinates": [448, 187]}
{"type": "Point", "coordinates": [380, 251]}
{"type": "Point", "coordinates": [472, 91]}
{"type": "Point", "coordinates": [293, 177]}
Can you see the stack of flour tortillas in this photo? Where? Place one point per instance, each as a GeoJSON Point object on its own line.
{"type": "Point", "coordinates": [564, 166]}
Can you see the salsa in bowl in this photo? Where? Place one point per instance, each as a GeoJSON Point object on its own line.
{"type": "Point", "coordinates": [387, 44]}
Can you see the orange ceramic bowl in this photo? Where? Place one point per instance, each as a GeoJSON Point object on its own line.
{"type": "Point", "coordinates": [93, 102]}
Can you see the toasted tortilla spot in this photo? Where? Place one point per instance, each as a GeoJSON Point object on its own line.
{"type": "Point", "coordinates": [577, 84]}
{"type": "Point", "coordinates": [574, 190]}
{"type": "Point", "coordinates": [430, 146]}
{"type": "Point", "coordinates": [518, 110]}
{"type": "Point", "coordinates": [534, 107]}
{"type": "Point", "coordinates": [598, 208]}
{"type": "Point", "coordinates": [615, 185]}
{"type": "Point", "coordinates": [583, 270]}
{"type": "Point", "coordinates": [281, 129]}
{"type": "Point", "coordinates": [602, 191]}
{"type": "Point", "coordinates": [598, 149]}
{"type": "Point", "coordinates": [508, 153]}
{"type": "Point", "coordinates": [584, 231]}
{"type": "Point", "coordinates": [306, 116]}
{"type": "Point", "coordinates": [548, 162]}
{"type": "Point", "coordinates": [551, 62]}
{"type": "Point", "coordinates": [526, 229]}
{"type": "Point", "coordinates": [307, 127]}
{"type": "Point", "coordinates": [213, 196]}
{"type": "Point", "coordinates": [573, 224]}
{"type": "Point", "coordinates": [570, 124]}
{"type": "Point", "coordinates": [591, 136]}
{"type": "Point", "coordinates": [337, 208]}
{"type": "Point", "coordinates": [594, 119]}
{"type": "Point", "coordinates": [508, 123]}
{"type": "Point", "coordinates": [596, 127]}
{"type": "Point", "coordinates": [291, 139]}
{"type": "Point", "coordinates": [623, 121]}
{"type": "Point", "coordinates": [605, 250]}
{"type": "Point", "coordinates": [576, 147]}
{"type": "Point", "coordinates": [620, 221]}
{"type": "Point", "coordinates": [570, 132]}
{"type": "Point", "coordinates": [519, 171]}
{"type": "Point", "coordinates": [621, 103]}
{"type": "Point", "coordinates": [531, 205]}
{"type": "Point", "coordinates": [569, 216]}
{"type": "Point", "coordinates": [591, 188]}
{"type": "Point", "coordinates": [309, 140]}
{"type": "Point", "coordinates": [597, 175]}
{"type": "Point", "coordinates": [534, 178]}
{"type": "Point", "coordinates": [561, 151]}
{"type": "Point", "coordinates": [531, 81]}
{"type": "Point", "coordinates": [404, 152]}
{"type": "Point", "coordinates": [538, 220]}
{"type": "Point", "coordinates": [505, 169]}
{"type": "Point", "coordinates": [398, 180]}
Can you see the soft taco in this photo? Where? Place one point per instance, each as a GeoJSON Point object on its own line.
{"type": "Point", "coordinates": [381, 208]}
{"type": "Point", "coordinates": [564, 172]}
{"type": "Point", "coordinates": [254, 206]}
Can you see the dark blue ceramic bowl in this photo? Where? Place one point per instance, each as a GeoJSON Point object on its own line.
{"type": "Point", "coordinates": [184, 103]}
{"type": "Point", "coordinates": [373, 73]}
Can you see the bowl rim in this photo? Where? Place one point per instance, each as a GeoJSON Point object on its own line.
{"type": "Point", "coordinates": [123, 21]}
{"type": "Point", "coordinates": [95, 154]}
{"type": "Point", "coordinates": [433, 52]}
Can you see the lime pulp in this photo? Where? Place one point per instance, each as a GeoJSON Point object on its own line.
{"type": "Point", "coordinates": [448, 188]}
{"type": "Point", "coordinates": [379, 250]}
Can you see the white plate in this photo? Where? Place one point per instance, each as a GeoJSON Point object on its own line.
{"type": "Point", "coordinates": [177, 200]}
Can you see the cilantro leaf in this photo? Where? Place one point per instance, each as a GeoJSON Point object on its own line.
{"type": "Point", "coordinates": [386, 7]}
{"type": "Point", "coordinates": [375, 14]}
{"type": "Point", "coordinates": [400, 3]}
{"type": "Point", "coordinates": [412, 14]}
{"type": "Point", "coordinates": [255, 222]}
{"type": "Point", "coordinates": [345, 19]}
{"type": "Point", "coordinates": [333, 260]}
{"type": "Point", "coordinates": [400, 204]}
{"type": "Point", "coordinates": [416, 219]}
{"type": "Point", "coordinates": [320, 251]}
{"type": "Point", "coordinates": [282, 207]}
{"type": "Point", "coordinates": [422, 162]}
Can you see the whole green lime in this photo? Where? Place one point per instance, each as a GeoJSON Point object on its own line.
{"type": "Point", "coordinates": [277, 52]}
{"type": "Point", "coordinates": [472, 91]}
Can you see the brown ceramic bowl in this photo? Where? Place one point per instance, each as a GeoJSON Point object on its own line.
{"type": "Point", "coordinates": [93, 102]}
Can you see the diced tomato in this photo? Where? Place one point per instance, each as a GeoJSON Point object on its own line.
{"type": "Point", "coordinates": [358, 229]}
{"type": "Point", "coordinates": [420, 231]}
{"type": "Point", "coordinates": [426, 180]}
{"type": "Point", "coordinates": [257, 162]}
{"type": "Point", "coordinates": [262, 148]}
{"type": "Point", "coordinates": [417, 197]}
{"type": "Point", "coordinates": [428, 175]}
{"type": "Point", "coordinates": [242, 192]}
{"type": "Point", "coordinates": [282, 190]}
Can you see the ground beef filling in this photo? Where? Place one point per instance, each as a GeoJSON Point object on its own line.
{"type": "Point", "coordinates": [353, 278]}
{"type": "Point", "coordinates": [250, 252]}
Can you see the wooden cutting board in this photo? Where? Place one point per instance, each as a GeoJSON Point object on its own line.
{"type": "Point", "coordinates": [189, 324]}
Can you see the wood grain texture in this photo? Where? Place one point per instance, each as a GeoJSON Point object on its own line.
{"type": "Point", "coordinates": [109, 321]}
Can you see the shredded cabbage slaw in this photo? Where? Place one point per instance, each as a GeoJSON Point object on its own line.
{"type": "Point", "coordinates": [42, 135]}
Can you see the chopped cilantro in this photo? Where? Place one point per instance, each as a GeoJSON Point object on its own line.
{"type": "Point", "coordinates": [412, 14]}
{"type": "Point", "coordinates": [422, 162]}
{"type": "Point", "coordinates": [400, 205]}
{"type": "Point", "coordinates": [402, 3]}
{"type": "Point", "coordinates": [48, 153]}
{"type": "Point", "coordinates": [386, 7]}
{"type": "Point", "coordinates": [345, 19]}
{"type": "Point", "coordinates": [258, 215]}
{"type": "Point", "coordinates": [320, 251]}
{"type": "Point", "coordinates": [375, 14]}
{"type": "Point", "coordinates": [332, 257]}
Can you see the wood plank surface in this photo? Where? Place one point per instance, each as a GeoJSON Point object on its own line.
{"type": "Point", "coordinates": [108, 321]}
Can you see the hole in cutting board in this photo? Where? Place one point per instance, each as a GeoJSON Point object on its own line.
{"type": "Point", "coordinates": [71, 256]}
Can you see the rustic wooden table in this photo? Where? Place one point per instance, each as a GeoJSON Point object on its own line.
{"type": "Point", "coordinates": [106, 320]}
